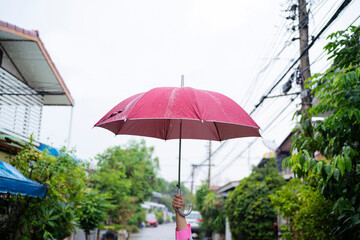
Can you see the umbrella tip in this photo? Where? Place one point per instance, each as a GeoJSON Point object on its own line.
{"type": "Point", "coordinates": [182, 80]}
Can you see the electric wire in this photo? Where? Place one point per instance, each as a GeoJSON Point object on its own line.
{"type": "Point", "coordinates": [340, 9]}
{"type": "Point", "coordinates": [323, 19]}
{"type": "Point", "coordinates": [250, 91]}
{"type": "Point", "coordinates": [320, 56]}
{"type": "Point", "coordinates": [252, 142]}
{"type": "Point", "coordinates": [272, 60]}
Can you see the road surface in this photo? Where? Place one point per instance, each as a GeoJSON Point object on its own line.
{"type": "Point", "coordinates": [161, 232]}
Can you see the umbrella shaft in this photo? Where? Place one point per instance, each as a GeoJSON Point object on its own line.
{"type": "Point", "coordinates": [179, 154]}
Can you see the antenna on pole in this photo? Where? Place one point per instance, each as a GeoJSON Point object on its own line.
{"type": "Point", "coordinates": [182, 80]}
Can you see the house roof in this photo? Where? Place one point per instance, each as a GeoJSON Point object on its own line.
{"type": "Point", "coordinates": [10, 144]}
{"type": "Point", "coordinates": [285, 146]}
{"type": "Point", "coordinates": [227, 187]}
{"type": "Point", "coordinates": [25, 56]}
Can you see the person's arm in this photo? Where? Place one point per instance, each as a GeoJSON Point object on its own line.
{"type": "Point", "coordinates": [179, 202]}
{"type": "Point", "coordinates": [183, 230]}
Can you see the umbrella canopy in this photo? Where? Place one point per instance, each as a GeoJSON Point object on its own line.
{"type": "Point", "coordinates": [12, 181]}
{"type": "Point", "coordinates": [158, 112]}
{"type": "Point", "coordinates": [180, 113]}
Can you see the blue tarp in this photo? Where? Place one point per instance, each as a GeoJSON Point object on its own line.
{"type": "Point", "coordinates": [52, 151]}
{"type": "Point", "coordinates": [12, 181]}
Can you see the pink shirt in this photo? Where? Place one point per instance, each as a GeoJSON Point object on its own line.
{"type": "Point", "coordinates": [184, 234]}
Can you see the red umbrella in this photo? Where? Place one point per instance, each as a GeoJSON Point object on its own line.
{"type": "Point", "coordinates": [180, 113]}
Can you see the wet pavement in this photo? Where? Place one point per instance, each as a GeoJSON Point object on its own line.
{"type": "Point", "coordinates": [161, 232]}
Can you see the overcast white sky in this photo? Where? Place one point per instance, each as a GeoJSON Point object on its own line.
{"type": "Point", "coordinates": [108, 50]}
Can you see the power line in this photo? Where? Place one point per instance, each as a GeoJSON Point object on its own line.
{"type": "Point", "coordinates": [262, 71]}
{"type": "Point", "coordinates": [251, 143]}
{"type": "Point", "coordinates": [316, 9]}
{"type": "Point", "coordinates": [333, 18]}
{"type": "Point", "coordinates": [273, 59]}
{"type": "Point", "coordinates": [323, 19]}
{"type": "Point", "coordinates": [336, 14]}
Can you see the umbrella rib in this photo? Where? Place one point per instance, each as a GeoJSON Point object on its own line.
{"type": "Point", "coordinates": [121, 126]}
{"type": "Point", "coordinates": [167, 129]}
{"type": "Point", "coordinates": [197, 106]}
{"type": "Point", "coordinates": [217, 131]}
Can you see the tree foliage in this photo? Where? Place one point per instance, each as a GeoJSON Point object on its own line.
{"type": "Point", "coordinates": [212, 210]}
{"type": "Point", "coordinates": [52, 216]}
{"type": "Point", "coordinates": [92, 211]}
{"type": "Point", "coordinates": [201, 194]}
{"type": "Point", "coordinates": [336, 172]}
{"type": "Point", "coordinates": [127, 174]}
{"type": "Point", "coordinates": [306, 209]}
{"type": "Point", "coordinates": [248, 207]}
{"type": "Point", "coordinates": [159, 216]}
{"type": "Point", "coordinates": [213, 214]}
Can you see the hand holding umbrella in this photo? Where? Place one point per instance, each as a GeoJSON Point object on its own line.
{"type": "Point", "coordinates": [178, 204]}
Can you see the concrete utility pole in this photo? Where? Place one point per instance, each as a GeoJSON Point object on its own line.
{"type": "Point", "coordinates": [192, 177]}
{"type": "Point", "coordinates": [304, 61]}
{"type": "Point", "coordinates": [209, 174]}
{"type": "Point", "coordinates": [194, 166]}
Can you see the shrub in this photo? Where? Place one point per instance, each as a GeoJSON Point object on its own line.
{"type": "Point", "coordinates": [248, 207]}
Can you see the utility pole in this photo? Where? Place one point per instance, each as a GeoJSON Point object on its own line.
{"type": "Point", "coordinates": [194, 166]}
{"type": "Point", "coordinates": [304, 61]}
{"type": "Point", "coordinates": [209, 173]}
{"type": "Point", "coordinates": [249, 158]}
{"type": "Point", "coordinates": [192, 177]}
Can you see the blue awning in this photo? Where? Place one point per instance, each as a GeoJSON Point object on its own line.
{"type": "Point", "coordinates": [12, 181]}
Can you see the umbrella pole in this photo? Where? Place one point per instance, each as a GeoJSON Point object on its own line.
{"type": "Point", "coordinates": [179, 191]}
{"type": "Point", "coordinates": [178, 185]}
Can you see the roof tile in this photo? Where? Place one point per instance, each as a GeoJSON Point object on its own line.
{"type": "Point", "coordinates": [32, 33]}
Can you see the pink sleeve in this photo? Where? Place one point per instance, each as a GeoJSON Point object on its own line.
{"type": "Point", "coordinates": [183, 234]}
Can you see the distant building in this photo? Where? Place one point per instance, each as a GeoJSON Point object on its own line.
{"type": "Point", "coordinates": [156, 197]}
{"type": "Point", "coordinates": [29, 80]}
{"type": "Point", "coordinates": [223, 191]}
{"type": "Point", "coordinates": [153, 205]}
{"type": "Point", "coordinates": [158, 207]}
{"type": "Point", "coordinates": [282, 152]}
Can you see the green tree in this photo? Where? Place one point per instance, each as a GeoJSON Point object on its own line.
{"type": "Point", "coordinates": [213, 213]}
{"type": "Point", "coordinates": [248, 207]}
{"type": "Point", "coordinates": [92, 211]}
{"type": "Point", "coordinates": [159, 216]}
{"type": "Point", "coordinates": [211, 209]}
{"type": "Point", "coordinates": [53, 215]}
{"type": "Point", "coordinates": [167, 201]}
{"type": "Point", "coordinates": [127, 174]}
{"type": "Point", "coordinates": [161, 185]}
{"type": "Point", "coordinates": [336, 171]}
{"type": "Point", "coordinates": [201, 194]}
{"type": "Point", "coordinates": [307, 211]}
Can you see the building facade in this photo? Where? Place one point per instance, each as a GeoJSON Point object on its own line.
{"type": "Point", "coordinates": [29, 81]}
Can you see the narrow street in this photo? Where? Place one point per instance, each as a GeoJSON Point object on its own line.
{"type": "Point", "coordinates": [161, 232]}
